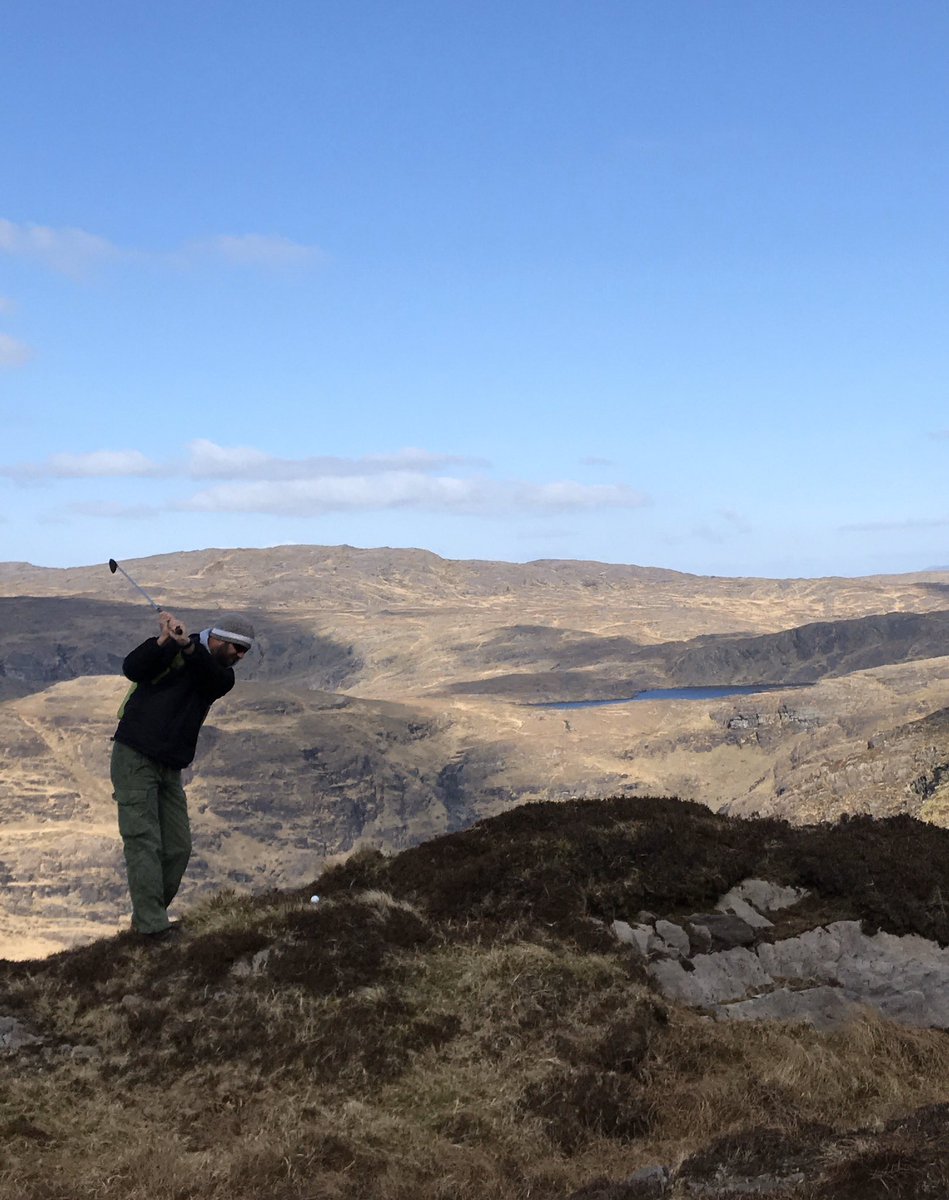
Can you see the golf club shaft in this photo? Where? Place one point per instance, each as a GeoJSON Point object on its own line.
{"type": "Point", "coordinates": [114, 566]}
{"type": "Point", "coordinates": [156, 607]}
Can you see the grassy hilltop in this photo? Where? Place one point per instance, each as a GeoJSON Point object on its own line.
{"type": "Point", "coordinates": [457, 1022]}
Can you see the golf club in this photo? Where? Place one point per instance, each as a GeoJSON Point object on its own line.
{"type": "Point", "coordinates": [114, 566]}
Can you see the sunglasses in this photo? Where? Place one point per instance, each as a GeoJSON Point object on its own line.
{"type": "Point", "coordinates": [238, 647]}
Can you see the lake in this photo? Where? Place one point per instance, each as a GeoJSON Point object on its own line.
{"type": "Point", "coordinates": [681, 693]}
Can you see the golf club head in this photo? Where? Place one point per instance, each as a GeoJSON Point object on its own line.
{"type": "Point", "coordinates": [113, 565]}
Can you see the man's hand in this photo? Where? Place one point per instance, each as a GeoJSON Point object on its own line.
{"type": "Point", "coordinates": [171, 629]}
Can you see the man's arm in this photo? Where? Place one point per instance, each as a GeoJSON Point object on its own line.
{"type": "Point", "coordinates": [158, 653]}
{"type": "Point", "coordinates": [148, 660]}
{"type": "Point", "coordinates": [211, 678]}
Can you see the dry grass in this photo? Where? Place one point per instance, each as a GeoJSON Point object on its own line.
{"type": "Point", "coordinates": [708, 1078]}
{"type": "Point", "coordinates": [377, 1046]}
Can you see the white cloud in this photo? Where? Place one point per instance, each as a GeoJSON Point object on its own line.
{"type": "Point", "coordinates": [12, 352]}
{"type": "Point", "coordinates": [255, 250]}
{"type": "Point", "coordinates": [248, 480]}
{"type": "Point", "coordinates": [896, 526]}
{"type": "Point", "coordinates": [113, 511]}
{"type": "Point", "coordinates": [421, 460]}
{"type": "Point", "coordinates": [100, 464]}
{"type": "Point", "coordinates": [7, 306]}
{"type": "Point", "coordinates": [594, 460]}
{"type": "Point", "coordinates": [409, 490]}
{"type": "Point", "coordinates": [571, 497]}
{"type": "Point", "coordinates": [73, 251]}
{"type": "Point", "coordinates": [69, 250]}
{"type": "Point", "coordinates": [207, 460]}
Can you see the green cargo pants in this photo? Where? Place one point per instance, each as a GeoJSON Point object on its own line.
{"type": "Point", "coordinates": [153, 822]}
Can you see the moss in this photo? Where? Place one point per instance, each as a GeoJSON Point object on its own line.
{"type": "Point", "coordinates": [575, 1103]}
{"type": "Point", "coordinates": [335, 948]}
{"type": "Point", "coordinates": [208, 957]}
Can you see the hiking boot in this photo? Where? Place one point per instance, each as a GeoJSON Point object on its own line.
{"type": "Point", "coordinates": [171, 933]}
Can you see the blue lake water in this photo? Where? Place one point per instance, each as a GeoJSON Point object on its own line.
{"type": "Point", "coordinates": [681, 693]}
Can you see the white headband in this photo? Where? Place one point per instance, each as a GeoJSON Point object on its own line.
{"type": "Point", "coordinates": [241, 639]}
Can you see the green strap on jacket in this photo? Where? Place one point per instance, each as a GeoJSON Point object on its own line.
{"type": "Point", "coordinates": [175, 665]}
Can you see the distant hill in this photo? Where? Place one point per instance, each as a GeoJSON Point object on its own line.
{"type": "Point", "coordinates": [392, 623]}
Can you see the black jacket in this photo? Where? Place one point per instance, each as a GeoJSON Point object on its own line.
{"type": "Point", "coordinates": [162, 715]}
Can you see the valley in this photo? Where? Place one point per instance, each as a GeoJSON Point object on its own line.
{"type": "Point", "coordinates": [393, 696]}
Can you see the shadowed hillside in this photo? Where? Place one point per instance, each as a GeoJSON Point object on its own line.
{"type": "Point", "coordinates": [46, 640]}
{"type": "Point", "coordinates": [458, 1021]}
{"type": "Point", "coordinates": [583, 667]}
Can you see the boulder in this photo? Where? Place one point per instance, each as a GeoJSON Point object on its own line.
{"type": "Point", "coordinates": [700, 938]}
{"type": "Point", "coordinates": [725, 929]}
{"type": "Point", "coordinates": [764, 896]}
{"type": "Point", "coordinates": [640, 937]}
{"type": "Point", "coordinates": [674, 938]}
{"type": "Point", "coordinates": [14, 1035]}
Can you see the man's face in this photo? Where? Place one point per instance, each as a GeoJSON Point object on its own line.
{"type": "Point", "coordinates": [228, 654]}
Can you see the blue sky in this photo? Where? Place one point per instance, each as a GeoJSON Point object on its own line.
{"type": "Point", "coordinates": [653, 282]}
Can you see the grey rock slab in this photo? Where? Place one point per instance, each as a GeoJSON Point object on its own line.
{"type": "Point", "coordinates": [810, 956]}
{"type": "Point", "coordinates": [766, 897]}
{"type": "Point", "coordinates": [714, 978]}
{"type": "Point", "coordinates": [820, 976]}
{"type": "Point", "coordinates": [675, 982]}
{"type": "Point", "coordinates": [823, 1007]}
{"type": "Point", "coordinates": [640, 937]}
{"type": "Point", "coordinates": [741, 908]}
{"type": "Point", "coordinates": [883, 970]}
{"type": "Point", "coordinates": [674, 937]}
{"type": "Point", "coordinates": [908, 1008]}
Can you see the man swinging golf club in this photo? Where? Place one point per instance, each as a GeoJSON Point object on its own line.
{"type": "Point", "coordinates": [176, 677]}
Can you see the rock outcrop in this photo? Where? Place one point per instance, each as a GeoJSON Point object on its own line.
{"type": "Point", "coordinates": [729, 964]}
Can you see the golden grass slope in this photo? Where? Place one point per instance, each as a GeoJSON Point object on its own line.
{"type": "Point", "coordinates": [287, 779]}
